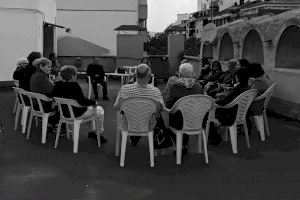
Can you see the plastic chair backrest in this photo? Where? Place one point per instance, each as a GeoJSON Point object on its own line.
{"type": "Point", "coordinates": [243, 101]}
{"type": "Point", "coordinates": [20, 92]}
{"type": "Point", "coordinates": [36, 100]}
{"type": "Point", "coordinates": [193, 109]}
{"type": "Point", "coordinates": [266, 95]}
{"type": "Point", "coordinates": [138, 111]}
{"type": "Point", "coordinates": [67, 103]}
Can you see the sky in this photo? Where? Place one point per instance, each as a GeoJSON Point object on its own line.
{"type": "Point", "coordinates": [161, 13]}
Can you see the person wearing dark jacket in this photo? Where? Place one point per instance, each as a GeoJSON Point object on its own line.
{"type": "Point", "coordinates": [226, 116]}
{"type": "Point", "coordinates": [19, 72]}
{"type": "Point", "coordinates": [69, 88]}
{"type": "Point", "coordinates": [178, 87]}
{"type": "Point", "coordinates": [96, 72]}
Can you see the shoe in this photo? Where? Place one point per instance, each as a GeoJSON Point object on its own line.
{"type": "Point", "coordinates": [105, 98]}
{"type": "Point", "coordinates": [93, 135]}
{"type": "Point", "coordinates": [134, 140]}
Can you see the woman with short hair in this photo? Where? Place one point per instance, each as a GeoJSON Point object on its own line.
{"type": "Point", "coordinates": [69, 88]}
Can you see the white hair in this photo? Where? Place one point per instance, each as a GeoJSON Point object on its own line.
{"type": "Point", "coordinates": [186, 70]}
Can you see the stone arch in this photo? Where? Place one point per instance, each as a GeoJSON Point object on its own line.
{"type": "Point", "coordinates": [252, 48]}
{"type": "Point", "coordinates": [226, 51]}
{"type": "Point", "coordinates": [288, 47]}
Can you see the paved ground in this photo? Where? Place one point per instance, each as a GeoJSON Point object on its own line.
{"type": "Point", "coordinates": [31, 170]}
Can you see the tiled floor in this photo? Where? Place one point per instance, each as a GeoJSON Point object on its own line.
{"type": "Point", "coordinates": [35, 171]}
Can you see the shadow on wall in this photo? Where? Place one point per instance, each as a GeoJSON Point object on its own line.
{"type": "Point", "coordinates": [108, 62]}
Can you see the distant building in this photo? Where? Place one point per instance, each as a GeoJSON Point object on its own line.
{"type": "Point", "coordinates": [95, 20]}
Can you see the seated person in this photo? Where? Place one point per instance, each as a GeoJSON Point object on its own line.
{"type": "Point", "coordinates": [55, 67]}
{"type": "Point", "coordinates": [142, 88]}
{"type": "Point", "coordinates": [96, 72]}
{"type": "Point", "coordinates": [261, 83]}
{"type": "Point", "coordinates": [176, 88]}
{"type": "Point", "coordinates": [227, 80]}
{"type": "Point", "coordinates": [69, 88]}
{"type": "Point", "coordinates": [30, 69]}
{"type": "Point", "coordinates": [19, 72]}
{"type": "Point", "coordinates": [226, 116]}
{"type": "Point", "coordinates": [242, 63]}
{"type": "Point", "coordinates": [205, 69]}
{"type": "Point", "coordinates": [215, 73]}
{"type": "Point", "coordinates": [40, 82]}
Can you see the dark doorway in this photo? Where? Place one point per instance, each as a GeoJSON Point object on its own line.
{"type": "Point", "coordinates": [48, 40]}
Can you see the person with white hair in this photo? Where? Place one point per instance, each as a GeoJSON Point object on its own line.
{"type": "Point", "coordinates": [178, 87]}
{"type": "Point", "coordinates": [19, 72]}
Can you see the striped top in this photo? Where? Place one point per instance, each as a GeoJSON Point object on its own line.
{"type": "Point", "coordinates": [136, 90]}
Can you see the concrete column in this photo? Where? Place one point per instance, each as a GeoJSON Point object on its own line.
{"type": "Point", "coordinates": [175, 48]}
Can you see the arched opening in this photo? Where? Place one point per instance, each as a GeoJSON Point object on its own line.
{"type": "Point", "coordinates": [253, 48]}
{"type": "Point", "coordinates": [288, 49]}
{"type": "Point", "coordinates": [226, 48]}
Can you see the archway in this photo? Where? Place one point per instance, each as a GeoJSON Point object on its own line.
{"type": "Point", "coordinates": [288, 49]}
{"type": "Point", "coordinates": [253, 47]}
{"type": "Point", "coordinates": [226, 48]}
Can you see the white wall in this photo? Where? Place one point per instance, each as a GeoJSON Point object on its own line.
{"type": "Point", "coordinates": [48, 7]}
{"type": "Point", "coordinates": [95, 20]}
{"type": "Point", "coordinates": [21, 32]}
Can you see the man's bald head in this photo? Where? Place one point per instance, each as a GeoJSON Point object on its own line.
{"type": "Point", "coordinates": [143, 71]}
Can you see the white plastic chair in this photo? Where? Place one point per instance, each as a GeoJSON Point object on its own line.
{"type": "Point", "coordinates": [37, 110]}
{"type": "Point", "coordinates": [21, 106]}
{"type": "Point", "coordinates": [16, 83]}
{"type": "Point", "coordinates": [72, 120]}
{"type": "Point", "coordinates": [193, 109]}
{"type": "Point", "coordinates": [261, 121]}
{"type": "Point", "coordinates": [137, 111]}
{"type": "Point", "coordinates": [243, 101]}
{"type": "Point", "coordinates": [90, 86]}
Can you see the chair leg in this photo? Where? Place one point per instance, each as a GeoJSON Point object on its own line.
{"type": "Point", "coordinates": [199, 137]}
{"type": "Point", "coordinates": [123, 148]}
{"type": "Point", "coordinates": [178, 147]}
{"type": "Point", "coordinates": [266, 123]}
{"type": "Point", "coordinates": [18, 112]}
{"type": "Point", "coordinates": [205, 146]}
{"type": "Point", "coordinates": [15, 105]}
{"type": "Point", "coordinates": [58, 133]}
{"type": "Point", "coordinates": [151, 148]}
{"type": "Point", "coordinates": [76, 135]}
{"type": "Point", "coordinates": [29, 125]}
{"type": "Point", "coordinates": [233, 138]}
{"type": "Point", "coordinates": [44, 127]}
{"type": "Point", "coordinates": [98, 131]}
{"type": "Point", "coordinates": [68, 132]}
{"type": "Point", "coordinates": [246, 134]}
{"type": "Point", "coordinates": [24, 118]}
{"type": "Point", "coordinates": [118, 134]}
{"type": "Point", "coordinates": [207, 129]}
{"type": "Point", "coordinates": [259, 120]}
{"type": "Point", "coordinates": [36, 121]}
{"type": "Point", "coordinates": [89, 90]}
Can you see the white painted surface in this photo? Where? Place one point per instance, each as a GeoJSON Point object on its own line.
{"type": "Point", "coordinates": [95, 20]}
{"type": "Point", "coordinates": [21, 31]}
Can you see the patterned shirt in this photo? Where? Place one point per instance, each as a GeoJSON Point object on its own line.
{"type": "Point", "coordinates": [136, 90]}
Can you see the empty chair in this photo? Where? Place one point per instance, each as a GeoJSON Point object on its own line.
{"type": "Point", "coordinates": [37, 104]}
{"type": "Point", "coordinates": [243, 101]}
{"type": "Point", "coordinates": [67, 116]}
{"type": "Point", "coordinates": [137, 111]}
{"type": "Point", "coordinates": [90, 86]}
{"type": "Point", "coordinates": [193, 109]}
{"type": "Point", "coordinates": [21, 106]}
{"type": "Point", "coordinates": [261, 121]}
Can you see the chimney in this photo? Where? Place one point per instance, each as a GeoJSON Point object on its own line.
{"type": "Point", "coordinates": [242, 2]}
